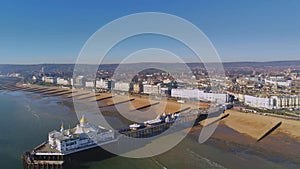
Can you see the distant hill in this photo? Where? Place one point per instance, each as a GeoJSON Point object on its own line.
{"type": "Point", "coordinates": [264, 64]}
{"type": "Point", "coordinates": [9, 68]}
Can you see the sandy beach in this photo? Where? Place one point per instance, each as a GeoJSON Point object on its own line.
{"type": "Point", "coordinates": [256, 125]}
{"type": "Point", "coordinates": [253, 125]}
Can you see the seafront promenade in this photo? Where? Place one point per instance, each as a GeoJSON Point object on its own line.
{"type": "Point", "coordinates": [246, 123]}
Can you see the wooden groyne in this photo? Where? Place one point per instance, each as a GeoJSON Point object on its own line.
{"type": "Point", "coordinates": [182, 110]}
{"type": "Point", "coordinates": [37, 90]}
{"type": "Point", "coordinates": [269, 131]}
{"type": "Point", "coordinates": [146, 106]}
{"type": "Point", "coordinates": [9, 88]}
{"type": "Point", "coordinates": [88, 97]}
{"type": "Point", "coordinates": [217, 120]}
{"type": "Point", "coordinates": [104, 98]}
{"type": "Point", "coordinates": [54, 91]}
{"type": "Point", "coordinates": [121, 102]}
{"type": "Point", "coordinates": [77, 94]}
{"type": "Point", "coordinates": [61, 93]}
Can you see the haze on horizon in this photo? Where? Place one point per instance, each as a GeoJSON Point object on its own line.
{"type": "Point", "coordinates": [55, 31]}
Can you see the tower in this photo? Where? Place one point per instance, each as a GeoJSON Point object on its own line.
{"type": "Point", "coordinates": [62, 127]}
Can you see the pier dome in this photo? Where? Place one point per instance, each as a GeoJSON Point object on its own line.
{"type": "Point", "coordinates": [83, 120]}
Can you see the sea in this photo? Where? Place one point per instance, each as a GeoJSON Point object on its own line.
{"type": "Point", "coordinates": [26, 119]}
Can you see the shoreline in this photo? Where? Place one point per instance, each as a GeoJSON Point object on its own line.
{"type": "Point", "coordinates": [231, 139]}
{"type": "Point", "coordinates": [253, 125]}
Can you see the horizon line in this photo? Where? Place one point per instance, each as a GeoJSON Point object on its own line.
{"type": "Point", "coordinates": [148, 62]}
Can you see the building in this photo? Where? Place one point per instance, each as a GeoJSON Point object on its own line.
{"type": "Point", "coordinates": [186, 93]}
{"type": "Point", "coordinates": [289, 101]}
{"type": "Point", "coordinates": [137, 88]}
{"type": "Point", "coordinates": [151, 89]}
{"type": "Point", "coordinates": [82, 136]}
{"type": "Point", "coordinates": [102, 84]}
{"type": "Point", "coordinates": [277, 82]}
{"type": "Point", "coordinates": [164, 90]}
{"type": "Point", "coordinates": [47, 79]}
{"type": "Point", "coordinates": [258, 102]}
{"type": "Point", "coordinates": [61, 81]}
{"type": "Point", "coordinates": [196, 94]}
{"type": "Point", "coordinates": [72, 82]}
{"type": "Point", "coordinates": [273, 102]}
{"type": "Point", "coordinates": [89, 84]}
{"type": "Point", "coordinates": [166, 81]}
{"type": "Point", "coordinates": [110, 84]}
{"type": "Point", "coordinates": [122, 86]}
{"type": "Point", "coordinates": [79, 81]}
{"type": "Point", "coordinates": [214, 97]}
{"type": "Point", "coordinates": [34, 79]}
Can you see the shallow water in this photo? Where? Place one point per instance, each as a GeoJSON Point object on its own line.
{"type": "Point", "coordinates": [25, 120]}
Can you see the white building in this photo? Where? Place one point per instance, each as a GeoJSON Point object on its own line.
{"type": "Point", "coordinates": [89, 84]}
{"type": "Point", "coordinates": [61, 81]}
{"type": "Point", "coordinates": [79, 81]}
{"type": "Point", "coordinates": [273, 102]}
{"type": "Point", "coordinates": [166, 81]}
{"type": "Point", "coordinates": [290, 101]}
{"type": "Point", "coordinates": [103, 84]}
{"type": "Point", "coordinates": [186, 93]}
{"type": "Point", "coordinates": [199, 95]}
{"type": "Point", "coordinates": [80, 137]}
{"type": "Point", "coordinates": [47, 79]}
{"type": "Point", "coordinates": [72, 82]}
{"type": "Point", "coordinates": [258, 102]}
{"type": "Point", "coordinates": [121, 86]}
{"type": "Point", "coordinates": [151, 89]}
{"type": "Point", "coordinates": [34, 78]}
{"type": "Point", "coordinates": [279, 82]}
{"type": "Point", "coordinates": [214, 97]}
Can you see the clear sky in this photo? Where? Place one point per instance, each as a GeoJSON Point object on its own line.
{"type": "Point", "coordinates": [54, 31]}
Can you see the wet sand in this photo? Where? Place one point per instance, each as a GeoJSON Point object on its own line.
{"type": "Point", "coordinates": [276, 148]}
{"type": "Point", "coordinates": [253, 125]}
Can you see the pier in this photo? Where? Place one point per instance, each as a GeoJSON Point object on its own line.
{"type": "Point", "coordinates": [31, 161]}
{"type": "Point", "coordinates": [44, 156]}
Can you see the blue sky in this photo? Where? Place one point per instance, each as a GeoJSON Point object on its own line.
{"type": "Point", "coordinates": [54, 31]}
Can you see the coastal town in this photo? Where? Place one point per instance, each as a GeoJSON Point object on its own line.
{"type": "Point", "coordinates": [274, 90]}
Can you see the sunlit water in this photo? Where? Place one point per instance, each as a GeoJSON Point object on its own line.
{"type": "Point", "coordinates": [25, 120]}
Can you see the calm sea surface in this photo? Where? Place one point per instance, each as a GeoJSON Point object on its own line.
{"type": "Point", "coordinates": [26, 118]}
